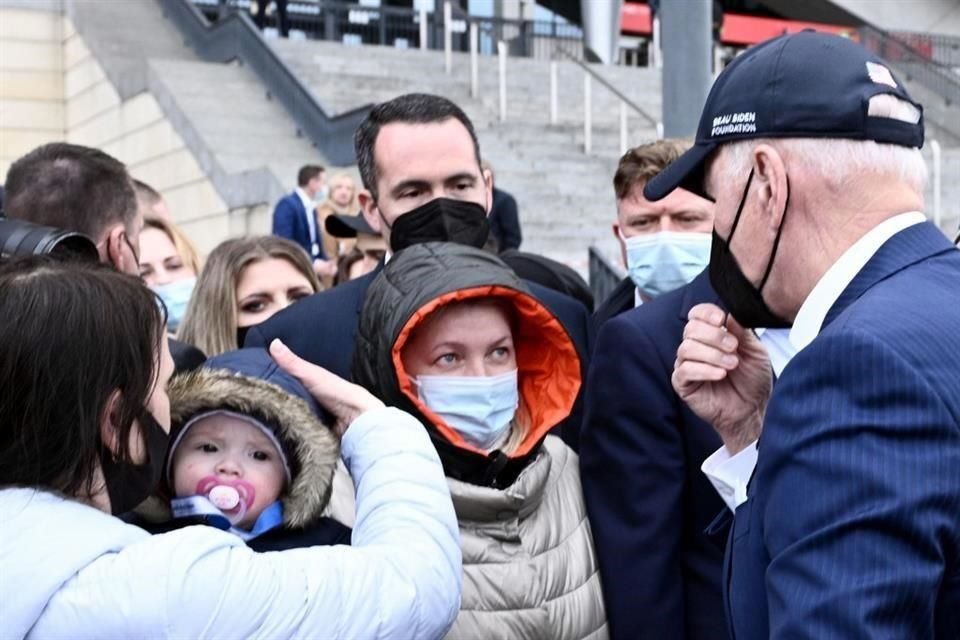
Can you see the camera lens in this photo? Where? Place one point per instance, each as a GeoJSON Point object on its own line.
{"type": "Point", "coordinates": [19, 238]}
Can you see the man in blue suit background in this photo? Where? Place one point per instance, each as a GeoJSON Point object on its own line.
{"type": "Point", "coordinates": [295, 218]}
{"type": "Point", "coordinates": [850, 524]}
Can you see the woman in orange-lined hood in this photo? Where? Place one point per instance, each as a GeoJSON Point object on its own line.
{"type": "Point", "coordinates": [451, 334]}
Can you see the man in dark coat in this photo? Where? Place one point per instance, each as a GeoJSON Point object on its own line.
{"type": "Point", "coordinates": [420, 163]}
{"type": "Point", "coordinates": [663, 244]}
{"type": "Point", "coordinates": [640, 455]}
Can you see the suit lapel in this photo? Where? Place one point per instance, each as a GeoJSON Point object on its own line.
{"type": "Point", "coordinates": [698, 291]}
{"type": "Point", "coordinates": [908, 247]}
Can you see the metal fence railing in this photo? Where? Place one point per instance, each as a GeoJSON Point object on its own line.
{"type": "Point", "coordinates": [940, 49]}
{"type": "Point", "coordinates": [915, 64]}
{"type": "Point", "coordinates": [356, 23]}
{"type": "Point", "coordinates": [604, 277]}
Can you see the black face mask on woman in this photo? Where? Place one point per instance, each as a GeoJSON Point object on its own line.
{"type": "Point", "coordinates": [129, 484]}
{"type": "Point", "coordinates": [736, 291]}
{"type": "Point", "coordinates": [441, 220]}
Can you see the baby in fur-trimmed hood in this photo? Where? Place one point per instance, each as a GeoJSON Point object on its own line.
{"type": "Point", "coordinates": [249, 452]}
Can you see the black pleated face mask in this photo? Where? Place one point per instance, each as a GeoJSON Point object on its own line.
{"type": "Point", "coordinates": [128, 484]}
{"type": "Point", "coordinates": [441, 220]}
{"type": "Point", "coordinates": [738, 294]}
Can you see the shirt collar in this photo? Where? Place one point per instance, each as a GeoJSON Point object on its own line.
{"type": "Point", "coordinates": [838, 277]}
{"type": "Point", "coordinates": [305, 199]}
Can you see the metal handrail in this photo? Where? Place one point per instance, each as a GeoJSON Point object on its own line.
{"type": "Point", "coordinates": [913, 63]}
{"type": "Point", "coordinates": [612, 89]}
{"type": "Point", "coordinates": [237, 38]}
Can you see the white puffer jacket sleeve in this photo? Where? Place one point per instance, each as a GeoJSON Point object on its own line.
{"type": "Point", "coordinates": [400, 579]}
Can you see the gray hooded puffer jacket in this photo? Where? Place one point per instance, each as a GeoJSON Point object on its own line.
{"type": "Point", "coordinates": [530, 570]}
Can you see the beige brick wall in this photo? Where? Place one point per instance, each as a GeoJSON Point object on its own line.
{"type": "Point", "coordinates": [136, 132]}
{"type": "Point", "coordinates": [52, 88]}
{"type": "Point", "coordinates": [31, 82]}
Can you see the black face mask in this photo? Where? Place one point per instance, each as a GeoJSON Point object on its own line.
{"type": "Point", "coordinates": [441, 220]}
{"type": "Point", "coordinates": [242, 335]}
{"type": "Point", "coordinates": [129, 484]}
{"type": "Point", "coordinates": [739, 295]}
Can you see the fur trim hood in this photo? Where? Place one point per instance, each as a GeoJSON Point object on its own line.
{"type": "Point", "coordinates": [249, 382]}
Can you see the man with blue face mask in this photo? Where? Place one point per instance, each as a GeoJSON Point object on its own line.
{"type": "Point", "coordinates": [664, 244]}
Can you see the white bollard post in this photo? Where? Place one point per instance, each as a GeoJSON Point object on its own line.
{"type": "Point", "coordinates": [623, 127]}
{"type": "Point", "coordinates": [587, 115]}
{"type": "Point", "coordinates": [659, 131]}
{"type": "Point", "coordinates": [448, 37]}
{"type": "Point", "coordinates": [423, 29]}
{"type": "Point", "coordinates": [553, 93]}
{"type": "Point", "coordinates": [655, 53]}
{"type": "Point", "coordinates": [937, 161]}
{"type": "Point", "coordinates": [474, 69]}
{"type": "Point", "coordinates": [502, 55]}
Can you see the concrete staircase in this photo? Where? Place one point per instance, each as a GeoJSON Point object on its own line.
{"type": "Point", "coordinates": [245, 142]}
{"type": "Point", "coordinates": [565, 196]}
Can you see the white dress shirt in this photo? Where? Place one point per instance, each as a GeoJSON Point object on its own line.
{"type": "Point", "coordinates": [308, 208]}
{"type": "Point", "coordinates": [730, 475]}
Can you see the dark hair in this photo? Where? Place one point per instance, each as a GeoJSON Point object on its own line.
{"type": "Point", "coordinates": [308, 173]}
{"type": "Point", "coordinates": [412, 108]}
{"type": "Point", "coordinates": [71, 335]}
{"type": "Point", "coordinates": [641, 163]}
{"type": "Point", "coordinates": [344, 263]}
{"type": "Point", "coordinates": [70, 187]}
{"type": "Point", "coordinates": [146, 193]}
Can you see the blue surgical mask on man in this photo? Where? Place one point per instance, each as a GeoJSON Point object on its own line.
{"type": "Point", "coordinates": [479, 408]}
{"type": "Point", "coordinates": [666, 260]}
{"type": "Point", "coordinates": [175, 296]}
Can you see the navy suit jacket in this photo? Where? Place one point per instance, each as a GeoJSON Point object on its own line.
{"type": "Point", "coordinates": [321, 329]}
{"type": "Point", "coordinates": [852, 527]}
{"type": "Point", "coordinates": [290, 222]}
{"type": "Point", "coordinates": [648, 502]}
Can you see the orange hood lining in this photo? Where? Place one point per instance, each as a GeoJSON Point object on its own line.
{"type": "Point", "coordinates": [547, 363]}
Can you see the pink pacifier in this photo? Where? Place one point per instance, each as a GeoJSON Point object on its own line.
{"type": "Point", "coordinates": [233, 497]}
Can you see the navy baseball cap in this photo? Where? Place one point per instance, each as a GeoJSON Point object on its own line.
{"type": "Point", "coordinates": [803, 85]}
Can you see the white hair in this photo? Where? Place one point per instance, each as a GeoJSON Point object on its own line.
{"type": "Point", "coordinates": [839, 161]}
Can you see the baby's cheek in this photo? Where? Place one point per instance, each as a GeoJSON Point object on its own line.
{"type": "Point", "coordinates": [185, 478]}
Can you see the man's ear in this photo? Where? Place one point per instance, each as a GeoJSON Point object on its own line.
{"type": "Point", "coordinates": [770, 176]}
{"type": "Point", "coordinates": [113, 250]}
{"type": "Point", "coordinates": [615, 227]}
{"type": "Point", "coordinates": [368, 206]}
{"type": "Point", "coordinates": [487, 189]}
{"type": "Point", "coordinates": [110, 423]}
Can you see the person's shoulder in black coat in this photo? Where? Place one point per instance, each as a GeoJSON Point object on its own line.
{"type": "Point", "coordinates": [186, 357]}
{"type": "Point", "coordinates": [647, 500]}
{"type": "Point", "coordinates": [623, 298]}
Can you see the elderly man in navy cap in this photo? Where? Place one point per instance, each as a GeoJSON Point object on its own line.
{"type": "Point", "coordinates": [847, 508]}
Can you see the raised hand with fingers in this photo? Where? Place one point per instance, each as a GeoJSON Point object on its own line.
{"type": "Point", "coordinates": [344, 400]}
{"type": "Point", "coordinates": [723, 373]}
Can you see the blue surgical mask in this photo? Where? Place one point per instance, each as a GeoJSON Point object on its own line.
{"type": "Point", "coordinates": [479, 408]}
{"type": "Point", "coordinates": [175, 296]}
{"type": "Point", "coordinates": [664, 261]}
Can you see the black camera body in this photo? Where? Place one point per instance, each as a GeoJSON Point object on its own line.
{"type": "Point", "coordinates": [21, 238]}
